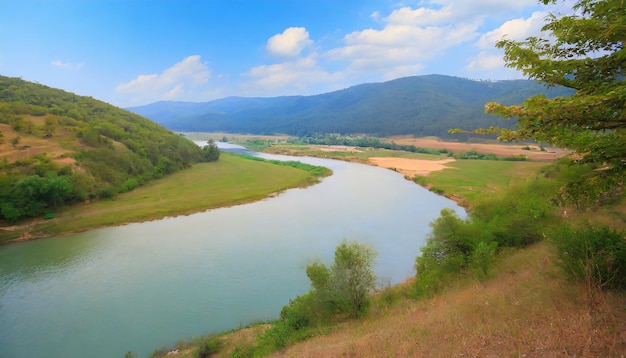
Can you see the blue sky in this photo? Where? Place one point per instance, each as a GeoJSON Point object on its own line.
{"type": "Point", "coordinates": [136, 52]}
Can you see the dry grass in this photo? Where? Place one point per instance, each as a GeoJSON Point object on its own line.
{"type": "Point", "coordinates": [36, 144]}
{"type": "Point", "coordinates": [528, 310]}
{"type": "Point", "coordinates": [498, 148]}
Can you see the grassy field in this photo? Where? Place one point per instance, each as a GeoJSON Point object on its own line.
{"type": "Point", "coordinates": [231, 180]}
{"type": "Point", "coordinates": [469, 180]}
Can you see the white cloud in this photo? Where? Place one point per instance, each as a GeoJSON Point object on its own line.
{"type": "Point", "coordinates": [67, 65]}
{"type": "Point", "coordinates": [486, 62]}
{"type": "Point", "coordinates": [290, 77]}
{"type": "Point", "coordinates": [290, 43]}
{"type": "Point", "coordinates": [414, 39]}
{"type": "Point", "coordinates": [173, 83]}
{"type": "Point", "coordinates": [420, 16]}
{"type": "Point", "coordinates": [517, 29]}
{"type": "Point", "coordinates": [404, 42]}
{"type": "Point", "coordinates": [400, 46]}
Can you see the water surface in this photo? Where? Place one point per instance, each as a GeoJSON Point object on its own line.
{"type": "Point", "coordinates": [143, 286]}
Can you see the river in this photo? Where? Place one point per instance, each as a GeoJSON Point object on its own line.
{"type": "Point", "coordinates": [144, 286]}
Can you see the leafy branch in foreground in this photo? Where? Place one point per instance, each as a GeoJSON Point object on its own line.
{"type": "Point", "coordinates": [585, 52]}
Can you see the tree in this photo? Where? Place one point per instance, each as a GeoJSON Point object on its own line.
{"type": "Point", "coordinates": [347, 284]}
{"type": "Point", "coordinates": [585, 52]}
{"type": "Point", "coordinates": [210, 152]}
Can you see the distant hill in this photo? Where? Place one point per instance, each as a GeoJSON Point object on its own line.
{"type": "Point", "coordinates": [57, 148]}
{"type": "Point", "coordinates": [421, 106]}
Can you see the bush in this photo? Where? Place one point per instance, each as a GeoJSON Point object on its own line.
{"type": "Point", "coordinates": [348, 283]}
{"type": "Point", "coordinates": [595, 255]}
{"type": "Point", "coordinates": [342, 289]}
{"type": "Point", "coordinates": [129, 185]}
{"type": "Point", "coordinates": [209, 346]}
{"type": "Point", "coordinates": [517, 218]}
{"type": "Point", "coordinates": [447, 251]}
{"type": "Point", "coordinates": [453, 246]}
{"type": "Point", "coordinates": [107, 192]}
{"type": "Point", "coordinates": [483, 257]}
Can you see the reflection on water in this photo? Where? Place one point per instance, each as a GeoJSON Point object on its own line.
{"type": "Point", "coordinates": [142, 286]}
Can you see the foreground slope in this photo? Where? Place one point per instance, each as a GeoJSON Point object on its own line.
{"type": "Point", "coordinates": [529, 309]}
{"type": "Point", "coordinates": [421, 106]}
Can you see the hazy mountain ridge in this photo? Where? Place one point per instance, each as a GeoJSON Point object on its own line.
{"type": "Point", "coordinates": [421, 105]}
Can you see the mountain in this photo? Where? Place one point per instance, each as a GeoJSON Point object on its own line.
{"type": "Point", "coordinates": [421, 105]}
{"type": "Point", "coordinates": [58, 148]}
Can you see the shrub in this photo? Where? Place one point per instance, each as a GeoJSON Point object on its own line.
{"type": "Point", "coordinates": [517, 218]}
{"type": "Point", "coordinates": [483, 257]}
{"type": "Point", "coordinates": [453, 245]}
{"type": "Point", "coordinates": [342, 289]}
{"type": "Point", "coordinates": [107, 192]}
{"type": "Point", "coordinates": [129, 185]}
{"type": "Point", "coordinates": [350, 280]}
{"type": "Point", "coordinates": [209, 346]}
{"type": "Point", "coordinates": [593, 254]}
{"type": "Point", "coordinates": [446, 252]}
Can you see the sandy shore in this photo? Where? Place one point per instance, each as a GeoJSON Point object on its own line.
{"type": "Point", "coordinates": [411, 167]}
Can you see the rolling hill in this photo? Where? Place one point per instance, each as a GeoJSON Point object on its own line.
{"type": "Point", "coordinates": [57, 148]}
{"type": "Point", "coordinates": [421, 106]}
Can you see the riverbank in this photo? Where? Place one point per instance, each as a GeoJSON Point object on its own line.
{"type": "Point", "coordinates": [526, 306]}
{"type": "Point", "coordinates": [232, 180]}
{"type": "Point", "coordinates": [463, 181]}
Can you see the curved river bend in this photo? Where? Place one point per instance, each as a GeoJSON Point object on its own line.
{"type": "Point", "coordinates": [143, 286]}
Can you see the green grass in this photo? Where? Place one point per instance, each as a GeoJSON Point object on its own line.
{"type": "Point", "coordinates": [230, 181]}
{"type": "Point", "coordinates": [473, 179]}
{"type": "Point", "coordinates": [466, 181]}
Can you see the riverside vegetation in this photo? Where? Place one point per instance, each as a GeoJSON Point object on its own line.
{"type": "Point", "coordinates": [202, 187]}
{"type": "Point", "coordinates": [516, 252]}
{"type": "Point", "coordinates": [70, 163]}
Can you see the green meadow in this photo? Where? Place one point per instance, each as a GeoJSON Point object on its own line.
{"type": "Point", "coordinates": [232, 180]}
{"type": "Point", "coordinates": [470, 180]}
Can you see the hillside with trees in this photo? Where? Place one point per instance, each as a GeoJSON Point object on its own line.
{"type": "Point", "coordinates": [58, 148]}
{"type": "Point", "coordinates": [420, 106]}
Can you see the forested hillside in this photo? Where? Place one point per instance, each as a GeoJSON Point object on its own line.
{"type": "Point", "coordinates": [58, 148]}
{"type": "Point", "coordinates": [421, 106]}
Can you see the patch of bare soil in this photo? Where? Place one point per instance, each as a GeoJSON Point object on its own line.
{"type": "Point", "coordinates": [27, 145]}
{"type": "Point", "coordinates": [503, 150]}
{"type": "Point", "coordinates": [411, 167]}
